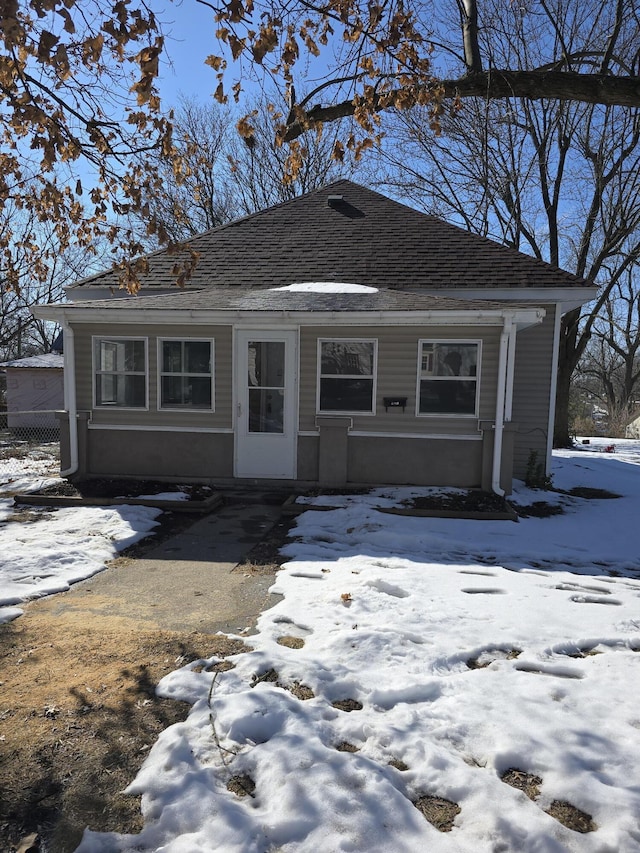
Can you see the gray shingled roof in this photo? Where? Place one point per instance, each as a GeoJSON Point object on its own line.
{"type": "Point", "coordinates": [252, 299]}
{"type": "Point", "coordinates": [44, 360]}
{"type": "Point", "coordinates": [364, 239]}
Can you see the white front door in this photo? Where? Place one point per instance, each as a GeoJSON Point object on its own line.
{"type": "Point", "coordinates": [266, 404]}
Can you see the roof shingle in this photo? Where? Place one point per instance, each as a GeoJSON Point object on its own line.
{"type": "Point", "coordinates": [263, 299]}
{"type": "Point", "coordinates": [364, 239]}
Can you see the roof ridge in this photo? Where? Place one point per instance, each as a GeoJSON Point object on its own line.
{"type": "Point", "coordinates": [369, 238]}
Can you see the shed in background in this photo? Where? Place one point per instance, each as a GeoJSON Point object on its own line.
{"type": "Point", "coordinates": [34, 391]}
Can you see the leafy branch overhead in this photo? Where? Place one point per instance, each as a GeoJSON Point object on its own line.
{"type": "Point", "coordinates": [376, 55]}
{"type": "Point", "coordinates": [79, 107]}
{"type": "Point", "coordinates": [82, 125]}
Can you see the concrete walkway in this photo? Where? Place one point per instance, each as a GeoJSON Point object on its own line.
{"type": "Point", "coordinates": [189, 582]}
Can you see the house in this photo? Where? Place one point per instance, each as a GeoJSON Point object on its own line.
{"type": "Point", "coordinates": [338, 339]}
{"type": "Point", "coordinates": [34, 391]}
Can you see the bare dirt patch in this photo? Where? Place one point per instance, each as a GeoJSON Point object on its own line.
{"type": "Point", "coordinates": [79, 713]}
{"type": "Point", "coordinates": [571, 816]}
{"type": "Point", "coordinates": [345, 746]}
{"type": "Point", "coordinates": [528, 783]}
{"type": "Point", "coordinates": [347, 705]}
{"type": "Point", "coordinates": [241, 786]}
{"type": "Point", "coordinates": [488, 656]}
{"type": "Point", "coordinates": [106, 488]}
{"type": "Point", "coordinates": [270, 676]}
{"type": "Point", "coordinates": [290, 642]}
{"type": "Point", "coordinates": [565, 813]}
{"type": "Point", "coordinates": [440, 812]}
{"type": "Point", "coordinates": [592, 494]}
{"type": "Point", "coordinates": [474, 500]}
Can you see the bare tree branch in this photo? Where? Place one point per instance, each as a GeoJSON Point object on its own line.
{"type": "Point", "coordinates": [534, 85]}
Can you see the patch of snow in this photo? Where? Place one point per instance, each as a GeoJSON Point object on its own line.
{"type": "Point", "coordinates": [327, 287]}
{"type": "Point", "coordinates": [45, 550]}
{"type": "Point", "coordinates": [167, 496]}
{"type": "Point", "coordinates": [465, 648]}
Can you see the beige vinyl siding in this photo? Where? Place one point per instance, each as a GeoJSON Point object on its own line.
{"type": "Point", "coordinates": [532, 388]}
{"type": "Point", "coordinates": [397, 376]}
{"type": "Point", "coordinates": [218, 419]}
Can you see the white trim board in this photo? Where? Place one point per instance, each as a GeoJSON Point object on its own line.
{"type": "Point", "coordinates": [162, 428]}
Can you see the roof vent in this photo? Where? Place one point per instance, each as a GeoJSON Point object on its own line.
{"type": "Point", "coordinates": [335, 200]}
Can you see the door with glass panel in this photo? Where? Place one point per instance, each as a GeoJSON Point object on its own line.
{"type": "Point", "coordinates": [266, 404]}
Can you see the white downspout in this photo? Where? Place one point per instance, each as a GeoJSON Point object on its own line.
{"type": "Point", "coordinates": [554, 383]}
{"type": "Point", "coordinates": [503, 366]}
{"type": "Point", "coordinates": [70, 402]}
{"type": "Point", "coordinates": [511, 366]}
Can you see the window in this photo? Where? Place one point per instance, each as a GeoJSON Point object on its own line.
{"type": "Point", "coordinates": [447, 377]}
{"type": "Point", "coordinates": [266, 385]}
{"type": "Point", "coordinates": [121, 372]}
{"type": "Point", "coordinates": [347, 376]}
{"type": "Point", "coordinates": [186, 374]}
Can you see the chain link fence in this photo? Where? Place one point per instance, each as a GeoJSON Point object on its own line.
{"type": "Point", "coordinates": [29, 444]}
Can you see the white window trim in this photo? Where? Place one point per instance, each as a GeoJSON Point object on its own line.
{"type": "Point", "coordinates": [447, 415]}
{"type": "Point", "coordinates": [95, 372]}
{"type": "Point", "coordinates": [186, 409]}
{"type": "Point", "coordinates": [374, 377]}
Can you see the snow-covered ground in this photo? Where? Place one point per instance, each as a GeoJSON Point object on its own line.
{"type": "Point", "coordinates": [463, 649]}
{"type": "Point", "coordinates": [43, 551]}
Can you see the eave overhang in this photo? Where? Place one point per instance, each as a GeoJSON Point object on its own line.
{"type": "Point", "coordinates": [568, 298]}
{"type": "Point", "coordinates": [522, 316]}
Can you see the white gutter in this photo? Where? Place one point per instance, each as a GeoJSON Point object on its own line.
{"type": "Point", "coordinates": [524, 316]}
{"type": "Point", "coordinates": [70, 402]}
{"type": "Point", "coordinates": [503, 367]}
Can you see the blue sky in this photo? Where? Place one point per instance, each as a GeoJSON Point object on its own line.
{"type": "Point", "coordinates": [189, 29]}
{"type": "Point", "coordinates": [190, 38]}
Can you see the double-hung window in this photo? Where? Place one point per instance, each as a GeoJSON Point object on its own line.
{"type": "Point", "coordinates": [120, 367]}
{"type": "Point", "coordinates": [347, 375]}
{"type": "Point", "coordinates": [448, 377]}
{"type": "Point", "coordinates": [186, 374]}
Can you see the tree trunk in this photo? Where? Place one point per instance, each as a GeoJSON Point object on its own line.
{"type": "Point", "coordinates": [567, 360]}
{"type": "Point", "coordinates": [561, 436]}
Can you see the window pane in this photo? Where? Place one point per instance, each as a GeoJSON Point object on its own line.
{"type": "Point", "coordinates": [266, 410]}
{"type": "Point", "coordinates": [200, 392]}
{"type": "Point", "coordinates": [346, 395]}
{"type": "Point", "coordinates": [171, 357]}
{"type": "Point", "coordinates": [448, 397]}
{"type": "Point", "coordinates": [121, 390]}
{"type": "Point", "coordinates": [449, 359]}
{"type": "Point", "coordinates": [106, 393]}
{"type": "Point", "coordinates": [135, 358]}
{"type": "Point", "coordinates": [135, 391]}
{"type": "Point", "coordinates": [172, 391]}
{"type": "Point", "coordinates": [197, 357]}
{"type": "Point", "coordinates": [121, 356]}
{"type": "Point", "coordinates": [266, 364]}
{"type": "Point", "coordinates": [183, 391]}
{"type": "Point", "coordinates": [116, 363]}
{"type": "Point", "coordinates": [346, 358]}
{"type": "Point", "coordinates": [107, 355]}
